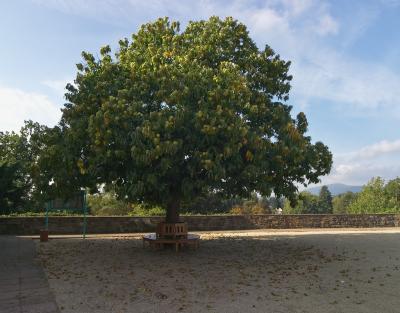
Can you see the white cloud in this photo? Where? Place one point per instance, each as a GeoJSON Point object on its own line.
{"type": "Point", "coordinates": [253, 13]}
{"type": "Point", "coordinates": [294, 28]}
{"type": "Point", "coordinates": [377, 149]}
{"type": "Point", "coordinates": [327, 25]}
{"type": "Point", "coordinates": [17, 105]}
{"type": "Point", "coordinates": [297, 7]}
{"type": "Point", "coordinates": [58, 86]}
{"type": "Point", "coordinates": [266, 20]}
{"type": "Point", "coordinates": [361, 173]}
{"type": "Point", "coordinates": [327, 75]}
{"type": "Point", "coordinates": [358, 167]}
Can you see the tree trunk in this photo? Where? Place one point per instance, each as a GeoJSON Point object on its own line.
{"type": "Point", "coordinates": [173, 211]}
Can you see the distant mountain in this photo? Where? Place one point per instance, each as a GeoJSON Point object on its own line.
{"type": "Point", "coordinates": [335, 189]}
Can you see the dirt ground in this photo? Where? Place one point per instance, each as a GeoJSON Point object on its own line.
{"type": "Point", "coordinates": [257, 271]}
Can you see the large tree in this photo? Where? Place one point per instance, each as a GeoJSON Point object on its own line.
{"type": "Point", "coordinates": [176, 114]}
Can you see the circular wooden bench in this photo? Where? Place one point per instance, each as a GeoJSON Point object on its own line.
{"type": "Point", "coordinates": [159, 242]}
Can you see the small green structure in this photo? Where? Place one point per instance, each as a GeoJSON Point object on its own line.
{"type": "Point", "coordinates": [76, 204]}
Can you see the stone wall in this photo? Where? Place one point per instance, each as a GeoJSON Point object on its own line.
{"type": "Point", "coordinates": [125, 224]}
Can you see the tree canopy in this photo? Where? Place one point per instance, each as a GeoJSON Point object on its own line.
{"type": "Point", "coordinates": [176, 114]}
{"type": "Point", "coordinates": [23, 168]}
{"type": "Point", "coordinates": [307, 203]}
{"type": "Point", "coordinates": [341, 202]}
{"type": "Point", "coordinates": [377, 197]}
{"type": "Point", "coordinates": [325, 200]}
{"type": "Point", "coordinates": [12, 187]}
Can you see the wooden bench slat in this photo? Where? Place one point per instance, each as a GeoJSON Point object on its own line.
{"type": "Point", "coordinates": [190, 239]}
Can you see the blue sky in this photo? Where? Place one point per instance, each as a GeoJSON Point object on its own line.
{"type": "Point", "coordinates": [345, 61]}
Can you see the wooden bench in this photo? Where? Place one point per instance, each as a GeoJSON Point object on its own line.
{"type": "Point", "coordinates": [171, 234]}
{"type": "Point", "coordinates": [172, 230]}
{"type": "Point", "coordinates": [157, 242]}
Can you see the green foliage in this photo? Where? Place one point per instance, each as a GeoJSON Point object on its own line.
{"type": "Point", "coordinates": [177, 114]}
{"type": "Point", "coordinates": [210, 203]}
{"type": "Point", "coordinates": [343, 201]}
{"type": "Point", "coordinates": [290, 208]}
{"type": "Point", "coordinates": [107, 204]}
{"type": "Point", "coordinates": [146, 210]}
{"type": "Point", "coordinates": [275, 202]}
{"type": "Point", "coordinates": [307, 203]}
{"type": "Point", "coordinates": [371, 199]}
{"type": "Point", "coordinates": [324, 201]}
{"type": "Point", "coordinates": [14, 180]}
{"type": "Point", "coordinates": [25, 213]}
{"type": "Point", "coordinates": [377, 197]}
{"type": "Point", "coordinates": [29, 150]}
{"type": "Point", "coordinates": [16, 160]}
{"type": "Point", "coordinates": [12, 187]}
{"type": "Point", "coordinates": [249, 209]}
{"type": "Point", "coordinates": [252, 205]}
{"type": "Point", "coordinates": [57, 174]}
{"type": "Point", "coordinates": [392, 194]}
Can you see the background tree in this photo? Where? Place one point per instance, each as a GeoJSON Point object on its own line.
{"type": "Point", "coordinates": [324, 201]}
{"type": "Point", "coordinates": [14, 149]}
{"type": "Point", "coordinates": [371, 199]}
{"type": "Point", "coordinates": [33, 157]}
{"type": "Point", "coordinates": [211, 203]}
{"type": "Point", "coordinates": [179, 114]}
{"type": "Point", "coordinates": [341, 202]}
{"type": "Point", "coordinates": [378, 197]}
{"type": "Point", "coordinates": [275, 203]}
{"type": "Point", "coordinates": [392, 194]}
{"type": "Point", "coordinates": [15, 178]}
{"type": "Point", "coordinates": [306, 203]}
{"type": "Point", "coordinates": [56, 173]}
{"type": "Point", "coordinates": [13, 190]}
{"type": "Point", "coordinates": [252, 205]}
